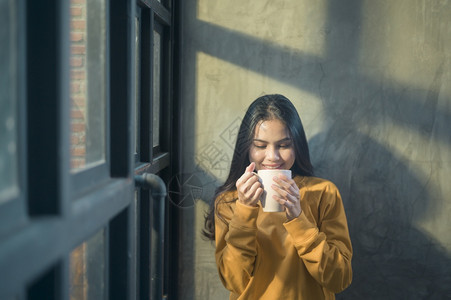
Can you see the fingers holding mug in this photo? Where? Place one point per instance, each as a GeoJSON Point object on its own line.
{"type": "Point", "coordinates": [249, 187]}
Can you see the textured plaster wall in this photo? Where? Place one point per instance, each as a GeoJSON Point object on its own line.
{"type": "Point", "coordinates": [372, 83]}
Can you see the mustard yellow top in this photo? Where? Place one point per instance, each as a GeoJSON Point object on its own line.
{"type": "Point", "coordinates": [262, 256]}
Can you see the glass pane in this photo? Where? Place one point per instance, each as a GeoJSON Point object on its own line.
{"type": "Point", "coordinates": [156, 87]}
{"type": "Point", "coordinates": [87, 269]}
{"type": "Point", "coordinates": [8, 102]}
{"type": "Point", "coordinates": [87, 83]}
{"type": "Point", "coordinates": [137, 81]}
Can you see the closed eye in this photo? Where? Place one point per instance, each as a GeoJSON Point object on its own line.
{"type": "Point", "coordinates": [260, 146]}
{"type": "Point", "coordinates": [285, 145]}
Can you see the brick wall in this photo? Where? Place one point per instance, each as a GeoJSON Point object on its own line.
{"type": "Point", "coordinates": [78, 83]}
{"type": "Point", "coordinates": [78, 258]}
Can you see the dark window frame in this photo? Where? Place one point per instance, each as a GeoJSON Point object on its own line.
{"type": "Point", "coordinates": [57, 210]}
{"type": "Point", "coordinates": [152, 159]}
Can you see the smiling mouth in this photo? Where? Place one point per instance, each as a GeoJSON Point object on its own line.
{"type": "Point", "coordinates": [272, 167]}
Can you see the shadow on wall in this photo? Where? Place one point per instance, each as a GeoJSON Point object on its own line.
{"type": "Point", "coordinates": [384, 199]}
{"type": "Point", "coordinates": [392, 258]}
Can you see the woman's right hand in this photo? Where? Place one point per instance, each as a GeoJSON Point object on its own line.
{"type": "Point", "coordinates": [249, 187]}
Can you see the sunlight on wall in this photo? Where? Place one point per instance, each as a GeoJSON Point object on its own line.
{"type": "Point", "coordinates": [223, 93]}
{"type": "Point", "coordinates": [426, 158]}
{"type": "Point", "coordinates": [294, 24]}
{"type": "Point", "coordinates": [205, 269]}
{"type": "Point", "coordinates": [405, 43]}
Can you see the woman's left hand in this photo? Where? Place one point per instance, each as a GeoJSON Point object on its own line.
{"type": "Point", "coordinates": [288, 197]}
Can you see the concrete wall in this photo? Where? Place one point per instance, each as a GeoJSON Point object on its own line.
{"type": "Point", "coordinates": [372, 83]}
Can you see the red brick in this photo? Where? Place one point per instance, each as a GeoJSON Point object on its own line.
{"type": "Point", "coordinates": [77, 74]}
{"type": "Point", "coordinates": [74, 140]}
{"type": "Point", "coordinates": [77, 163]}
{"type": "Point", "coordinates": [76, 11]}
{"type": "Point", "coordinates": [78, 101]}
{"type": "Point", "coordinates": [78, 49]}
{"type": "Point", "coordinates": [78, 24]}
{"type": "Point", "coordinates": [77, 36]}
{"type": "Point", "coordinates": [76, 62]}
{"type": "Point", "coordinates": [77, 114]}
{"type": "Point", "coordinates": [78, 127]}
{"type": "Point", "coordinates": [78, 151]}
{"type": "Point", "coordinates": [75, 87]}
{"type": "Point", "coordinates": [78, 140]}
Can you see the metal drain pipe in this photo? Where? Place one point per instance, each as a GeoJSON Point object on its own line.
{"type": "Point", "coordinates": [153, 183]}
{"type": "Point", "coordinates": [158, 192]}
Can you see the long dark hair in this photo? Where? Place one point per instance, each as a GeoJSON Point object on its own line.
{"type": "Point", "coordinates": [268, 107]}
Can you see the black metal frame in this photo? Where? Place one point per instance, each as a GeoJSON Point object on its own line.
{"type": "Point", "coordinates": [156, 160]}
{"type": "Point", "coordinates": [57, 210]}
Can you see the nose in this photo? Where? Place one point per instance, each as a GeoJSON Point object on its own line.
{"type": "Point", "coordinates": [273, 154]}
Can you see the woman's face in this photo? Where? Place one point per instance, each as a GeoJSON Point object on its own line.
{"type": "Point", "coordinates": [272, 147]}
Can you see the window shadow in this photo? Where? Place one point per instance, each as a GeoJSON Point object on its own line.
{"type": "Point", "coordinates": [384, 198]}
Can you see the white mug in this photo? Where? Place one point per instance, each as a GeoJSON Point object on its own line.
{"type": "Point", "coordinates": [269, 204]}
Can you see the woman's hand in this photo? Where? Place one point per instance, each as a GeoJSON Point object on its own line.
{"type": "Point", "coordinates": [288, 197]}
{"type": "Point", "coordinates": [249, 187]}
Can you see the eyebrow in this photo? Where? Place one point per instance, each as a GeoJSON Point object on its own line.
{"type": "Point", "coordinates": [280, 141]}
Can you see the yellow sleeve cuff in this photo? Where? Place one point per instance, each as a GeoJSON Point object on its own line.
{"type": "Point", "coordinates": [245, 216]}
{"type": "Point", "coordinates": [301, 229]}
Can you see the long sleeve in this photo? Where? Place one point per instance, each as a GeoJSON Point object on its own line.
{"type": "Point", "coordinates": [236, 244]}
{"type": "Point", "coordinates": [321, 238]}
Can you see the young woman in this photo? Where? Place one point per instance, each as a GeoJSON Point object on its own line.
{"type": "Point", "coordinates": [302, 253]}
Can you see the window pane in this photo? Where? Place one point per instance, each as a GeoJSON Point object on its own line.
{"type": "Point", "coordinates": [8, 102]}
{"type": "Point", "coordinates": [137, 81]}
{"type": "Point", "coordinates": [88, 83]}
{"type": "Point", "coordinates": [87, 269]}
{"type": "Point", "coordinates": [156, 87]}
